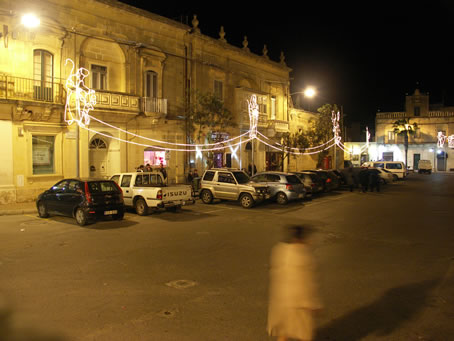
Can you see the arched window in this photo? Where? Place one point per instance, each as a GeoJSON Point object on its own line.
{"type": "Point", "coordinates": [43, 74]}
{"type": "Point", "coordinates": [98, 143]}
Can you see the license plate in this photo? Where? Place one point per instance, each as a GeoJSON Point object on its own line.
{"type": "Point", "coordinates": [110, 212]}
{"type": "Point", "coordinates": [300, 195]}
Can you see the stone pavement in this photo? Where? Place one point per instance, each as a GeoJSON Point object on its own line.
{"type": "Point", "coordinates": [18, 208]}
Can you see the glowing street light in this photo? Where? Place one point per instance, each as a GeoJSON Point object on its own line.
{"type": "Point", "coordinates": [30, 20]}
{"type": "Point", "coordinates": [310, 92]}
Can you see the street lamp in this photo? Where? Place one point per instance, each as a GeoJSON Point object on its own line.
{"type": "Point", "coordinates": [309, 92]}
{"type": "Point", "coordinates": [28, 20]}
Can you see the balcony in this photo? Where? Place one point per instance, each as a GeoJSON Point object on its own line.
{"type": "Point", "coordinates": [24, 89]}
{"type": "Point", "coordinates": [107, 100]}
{"type": "Point", "coordinates": [390, 115]}
{"type": "Point", "coordinates": [278, 126]}
{"type": "Point", "coordinates": [154, 107]}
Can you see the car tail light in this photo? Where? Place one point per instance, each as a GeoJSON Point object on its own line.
{"type": "Point", "coordinates": [87, 193]}
{"type": "Point", "coordinates": [289, 187]}
{"type": "Point", "coordinates": [120, 190]}
{"type": "Point", "coordinates": [159, 195]}
{"type": "Point", "coordinates": [328, 180]}
{"type": "Point", "coordinates": [313, 185]}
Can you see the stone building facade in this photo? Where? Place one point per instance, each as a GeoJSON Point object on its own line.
{"type": "Point", "coordinates": [145, 69]}
{"type": "Point", "coordinates": [423, 145]}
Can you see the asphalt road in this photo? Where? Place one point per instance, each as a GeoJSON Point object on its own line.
{"type": "Point", "coordinates": [385, 262]}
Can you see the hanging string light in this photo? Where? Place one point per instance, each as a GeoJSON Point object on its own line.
{"type": "Point", "coordinates": [81, 100]}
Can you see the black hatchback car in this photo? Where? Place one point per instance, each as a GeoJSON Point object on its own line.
{"type": "Point", "coordinates": [83, 199]}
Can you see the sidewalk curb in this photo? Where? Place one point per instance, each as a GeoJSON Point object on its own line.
{"type": "Point", "coordinates": [18, 211]}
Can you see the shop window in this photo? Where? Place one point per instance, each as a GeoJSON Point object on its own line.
{"type": "Point", "coordinates": [43, 148]}
{"type": "Point", "coordinates": [388, 156]}
{"type": "Point", "coordinates": [154, 158]}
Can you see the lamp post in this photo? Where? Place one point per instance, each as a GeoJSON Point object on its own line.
{"type": "Point", "coordinates": [311, 92]}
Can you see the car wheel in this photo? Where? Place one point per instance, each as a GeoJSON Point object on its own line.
{"type": "Point", "coordinates": [118, 216]}
{"type": "Point", "coordinates": [206, 197]}
{"type": "Point", "coordinates": [42, 210]}
{"type": "Point", "coordinates": [395, 177]}
{"type": "Point", "coordinates": [246, 200]}
{"type": "Point", "coordinates": [141, 207]}
{"type": "Point", "coordinates": [281, 198]}
{"type": "Point", "coordinates": [81, 217]}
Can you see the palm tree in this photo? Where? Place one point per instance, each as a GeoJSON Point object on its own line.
{"type": "Point", "coordinates": [405, 128]}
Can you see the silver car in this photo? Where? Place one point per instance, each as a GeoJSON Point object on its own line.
{"type": "Point", "coordinates": [283, 187]}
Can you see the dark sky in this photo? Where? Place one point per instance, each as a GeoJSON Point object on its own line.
{"type": "Point", "coordinates": [365, 56]}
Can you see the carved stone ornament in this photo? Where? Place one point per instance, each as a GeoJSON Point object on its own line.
{"type": "Point", "coordinates": [265, 52]}
{"type": "Point", "coordinates": [222, 35]}
{"type": "Point", "coordinates": [245, 44]}
{"type": "Point", "coordinates": [282, 58]}
{"type": "Point", "coordinates": [195, 24]}
{"type": "Point", "coordinates": [23, 113]}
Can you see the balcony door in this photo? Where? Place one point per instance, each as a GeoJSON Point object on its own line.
{"type": "Point", "coordinates": [43, 75]}
{"type": "Point", "coordinates": [151, 84]}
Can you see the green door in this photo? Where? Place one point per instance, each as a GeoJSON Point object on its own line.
{"type": "Point", "coordinates": [416, 158]}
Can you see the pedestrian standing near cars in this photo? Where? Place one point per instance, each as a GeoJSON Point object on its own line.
{"type": "Point", "coordinates": [293, 292]}
{"type": "Point", "coordinates": [163, 171]}
{"type": "Point", "coordinates": [196, 174]}
{"type": "Point", "coordinates": [374, 180]}
{"type": "Point", "coordinates": [349, 178]}
{"type": "Point", "coordinates": [190, 177]}
{"type": "Point", "coordinates": [364, 179]}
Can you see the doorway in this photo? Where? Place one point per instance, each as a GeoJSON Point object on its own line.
{"type": "Point", "coordinates": [98, 157]}
{"type": "Point", "coordinates": [416, 158]}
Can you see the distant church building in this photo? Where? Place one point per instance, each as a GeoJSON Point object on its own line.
{"type": "Point", "coordinates": [433, 138]}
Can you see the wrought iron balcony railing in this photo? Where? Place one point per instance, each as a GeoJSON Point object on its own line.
{"type": "Point", "coordinates": [154, 106]}
{"type": "Point", "coordinates": [17, 88]}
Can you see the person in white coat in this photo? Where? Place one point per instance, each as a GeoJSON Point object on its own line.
{"type": "Point", "coordinates": [293, 288]}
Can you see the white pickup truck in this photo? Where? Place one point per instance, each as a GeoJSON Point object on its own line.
{"type": "Point", "coordinates": [144, 190]}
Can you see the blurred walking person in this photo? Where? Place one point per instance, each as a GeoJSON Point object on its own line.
{"type": "Point", "coordinates": [293, 288]}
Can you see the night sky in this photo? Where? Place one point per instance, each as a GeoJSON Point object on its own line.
{"type": "Point", "coordinates": [365, 56]}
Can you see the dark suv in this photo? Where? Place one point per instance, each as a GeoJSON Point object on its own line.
{"type": "Point", "coordinates": [83, 199]}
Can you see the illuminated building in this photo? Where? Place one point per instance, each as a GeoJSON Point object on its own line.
{"type": "Point", "coordinates": [145, 70]}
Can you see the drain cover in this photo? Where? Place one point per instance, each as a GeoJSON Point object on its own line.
{"type": "Point", "coordinates": [181, 284]}
{"type": "Point", "coordinates": [168, 313]}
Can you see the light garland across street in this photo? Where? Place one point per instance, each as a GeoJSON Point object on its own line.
{"type": "Point", "coordinates": [81, 100]}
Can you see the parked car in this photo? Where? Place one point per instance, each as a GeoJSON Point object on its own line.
{"type": "Point", "coordinates": [424, 166]}
{"type": "Point", "coordinates": [283, 187]}
{"type": "Point", "coordinates": [231, 184]}
{"type": "Point", "coordinates": [317, 182]}
{"type": "Point", "coordinates": [395, 167]}
{"type": "Point", "coordinates": [327, 180]}
{"type": "Point", "coordinates": [386, 176]}
{"type": "Point", "coordinates": [83, 199]}
{"type": "Point", "coordinates": [336, 178]}
{"type": "Point", "coordinates": [145, 190]}
{"type": "Point", "coordinates": [306, 179]}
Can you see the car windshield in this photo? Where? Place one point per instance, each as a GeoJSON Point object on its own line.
{"type": "Point", "coordinates": [241, 177]}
